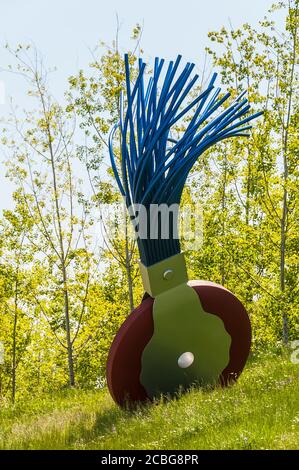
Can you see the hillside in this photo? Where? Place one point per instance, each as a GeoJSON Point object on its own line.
{"type": "Point", "coordinates": [260, 412]}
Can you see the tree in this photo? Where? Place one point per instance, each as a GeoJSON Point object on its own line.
{"type": "Point", "coordinates": [16, 259]}
{"type": "Point", "coordinates": [266, 64]}
{"type": "Point", "coordinates": [41, 164]}
{"type": "Point", "coordinates": [95, 99]}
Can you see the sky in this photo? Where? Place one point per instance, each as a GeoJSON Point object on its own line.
{"type": "Point", "coordinates": [66, 31]}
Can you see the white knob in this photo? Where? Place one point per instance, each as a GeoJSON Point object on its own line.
{"type": "Point", "coordinates": [185, 360]}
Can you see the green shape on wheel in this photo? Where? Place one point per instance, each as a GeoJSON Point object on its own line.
{"type": "Point", "coordinates": [181, 325]}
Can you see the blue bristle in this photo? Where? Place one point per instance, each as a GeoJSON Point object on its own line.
{"type": "Point", "coordinates": [151, 171]}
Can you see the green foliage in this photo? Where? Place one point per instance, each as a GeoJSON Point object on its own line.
{"type": "Point", "coordinates": [252, 211]}
{"type": "Point", "coordinates": [67, 284]}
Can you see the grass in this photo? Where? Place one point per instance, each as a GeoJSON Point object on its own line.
{"type": "Point", "coordinates": [260, 412]}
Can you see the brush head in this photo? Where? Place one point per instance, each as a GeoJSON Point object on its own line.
{"type": "Point", "coordinates": [154, 166]}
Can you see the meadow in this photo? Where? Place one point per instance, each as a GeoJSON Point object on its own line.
{"type": "Point", "coordinates": [261, 411]}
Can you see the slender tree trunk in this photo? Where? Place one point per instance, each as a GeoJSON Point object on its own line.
{"type": "Point", "coordinates": [39, 369]}
{"type": "Point", "coordinates": [248, 187]}
{"type": "Point", "coordinates": [223, 216]}
{"type": "Point", "coordinates": [283, 234]}
{"type": "Point", "coordinates": [285, 328]}
{"type": "Point", "coordinates": [69, 342]}
{"type": "Point", "coordinates": [14, 346]}
{"type": "Point", "coordinates": [128, 265]}
{"type": "Point", "coordinates": [130, 284]}
{"type": "Point", "coordinates": [68, 329]}
{"type": "Point", "coordinates": [62, 256]}
{"type": "Point", "coordinates": [283, 230]}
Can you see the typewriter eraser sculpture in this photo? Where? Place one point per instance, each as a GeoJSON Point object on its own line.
{"type": "Point", "coordinates": [184, 332]}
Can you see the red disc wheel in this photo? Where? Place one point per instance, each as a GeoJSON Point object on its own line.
{"type": "Point", "coordinates": [124, 360]}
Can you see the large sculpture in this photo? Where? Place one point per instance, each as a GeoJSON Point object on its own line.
{"type": "Point", "coordinates": [184, 332]}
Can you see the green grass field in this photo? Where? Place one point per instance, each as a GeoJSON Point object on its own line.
{"type": "Point", "coordinates": [260, 412]}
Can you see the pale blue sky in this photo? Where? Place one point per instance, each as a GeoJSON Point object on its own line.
{"type": "Point", "coordinates": [65, 31]}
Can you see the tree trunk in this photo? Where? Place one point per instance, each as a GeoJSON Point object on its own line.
{"type": "Point", "coordinates": [68, 330]}
{"type": "Point", "coordinates": [285, 328]}
{"type": "Point", "coordinates": [248, 187]}
{"type": "Point", "coordinates": [128, 266]}
{"type": "Point", "coordinates": [69, 342]}
{"type": "Point", "coordinates": [14, 346]}
{"type": "Point", "coordinates": [285, 137]}
{"type": "Point", "coordinates": [223, 225]}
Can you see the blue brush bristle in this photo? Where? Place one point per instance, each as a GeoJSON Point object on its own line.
{"type": "Point", "coordinates": [153, 172]}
